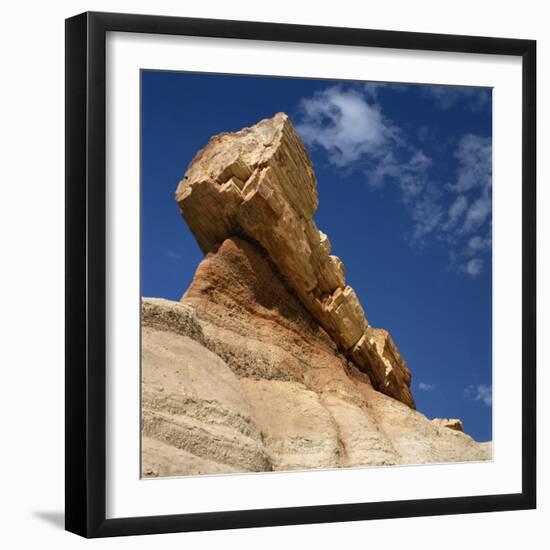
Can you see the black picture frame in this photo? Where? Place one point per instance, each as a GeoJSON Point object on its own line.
{"type": "Point", "coordinates": [86, 274]}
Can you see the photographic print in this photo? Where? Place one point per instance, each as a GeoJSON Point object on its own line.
{"type": "Point", "coordinates": [316, 274]}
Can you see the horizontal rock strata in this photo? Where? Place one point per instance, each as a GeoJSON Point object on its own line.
{"type": "Point", "coordinates": [240, 377]}
{"type": "Point", "coordinates": [259, 183]}
{"type": "Point", "coordinates": [192, 402]}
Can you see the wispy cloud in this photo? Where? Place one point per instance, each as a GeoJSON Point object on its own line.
{"type": "Point", "coordinates": [474, 156]}
{"type": "Point", "coordinates": [350, 125]}
{"type": "Point", "coordinates": [173, 254]}
{"type": "Point", "coordinates": [446, 97]}
{"type": "Point", "coordinates": [476, 215]}
{"type": "Point", "coordinates": [480, 392]}
{"type": "Point", "coordinates": [426, 387]}
{"type": "Point", "coordinates": [471, 210]}
{"type": "Point", "coordinates": [373, 88]}
{"type": "Point", "coordinates": [473, 267]}
{"type": "Point", "coordinates": [478, 244]}
{"type": "Point", "coordinates": [456, 211]}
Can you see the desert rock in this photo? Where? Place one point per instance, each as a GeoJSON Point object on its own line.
{"type": "Point", "coordinates": [239, 376]}
{"type": "Point", "coordinates": [268, 362]}
{"type": "Point", "coordinates": [259, 184]}
{"type": "Point", "coordinates": [193, 403]}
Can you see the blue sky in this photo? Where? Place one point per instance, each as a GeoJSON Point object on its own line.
{"type": "Point", "coordinates": [404, 184]}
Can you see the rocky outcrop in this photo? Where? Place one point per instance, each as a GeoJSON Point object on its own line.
{"type": "Point", "coordinates": [259, 184]}
{"type": "Point", "coordinates": [239, 376]}
{"type": "Point", "coordinates": [192, 403]}
{"type": "Point", "coordinates": [451, 423]}
{"type": "Point", "coordinates": [268, 363]}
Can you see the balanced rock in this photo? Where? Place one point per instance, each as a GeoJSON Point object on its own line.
{"type": "Point", "coordinates": [259, 184]}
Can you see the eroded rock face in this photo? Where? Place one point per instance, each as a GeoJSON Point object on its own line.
{"type": "Point", "coordinates": [195, 417]}
{"type": "Point", "coordinates": [239, 376]}
{"type": "Point", "coordinates": [259, 183]}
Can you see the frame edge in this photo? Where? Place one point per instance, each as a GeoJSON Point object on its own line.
{"type": "Point", "coordinates": [529, 273]}
{"type": "Point", "coordinates": [85, 270]}
{"type": "Point", "coordinates": [76, 475]}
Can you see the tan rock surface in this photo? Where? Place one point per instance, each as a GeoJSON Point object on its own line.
{"type": "Point", "coordinates": [161, 459]}
{"type": "Point", "coordinates": [297, 430]}
{"type": "Point", "coordinates": [240, 377]}
{"type": "Point", "coordinates": [193, 404]}
{"type": "Point", "coordinates": [260, 183]}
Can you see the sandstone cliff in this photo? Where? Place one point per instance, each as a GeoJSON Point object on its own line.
{"type": "Point", "coordinates": [268, 362]}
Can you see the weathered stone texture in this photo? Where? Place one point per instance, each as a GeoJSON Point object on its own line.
{"type": "Point", "coordinates": [240, 377]}
{"type": "Point", "coordinates": [259, 183]}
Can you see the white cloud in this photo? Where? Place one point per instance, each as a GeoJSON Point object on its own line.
{"type": "Point", "coordinates": [470, 212]}
{"type": "Point", "coordinates": [474, 267]}
{"type": "Point", "coordinates": [372, 88]}
{"type": "Point", "coordinates": [481, 392]}
{"type": "Point", "coordinates": [476, 215]}
{"type": "Point", "coordinates": [455, 212]}
{"type": "Point", "coordinates": [419, 161]}
{"type": "Point", "coordinates": [474, 155]}
{"type": "Point", "coordinates": [388, 166]}
{"type": "Point", "coordinates": [410, 174]}
{"type": "Point", "coordinates": [172, 254]}
{"type": "Point", "coordinates": [426, 387]}
{"type": "Point", "coordinates": [479, 244]}
{"type": "Point", "coordinates": [345, 124]}
{"type": "Point", "coordinates": [349, 124]}
{"type": "Point", "coordinates": [426, 214]}
{"type": "Point", "coordinates": [408, 167]}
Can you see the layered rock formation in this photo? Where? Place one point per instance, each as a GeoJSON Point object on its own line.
{"type": "Point", "coordinates": [240, 377]}
{"type": "Point", "coordinates": [268, 362]}
{"type": "Point", "coordinates": [259, 183]}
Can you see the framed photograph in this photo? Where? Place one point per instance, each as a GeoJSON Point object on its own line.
{"type": "Point", "coordinates": [300, 274]}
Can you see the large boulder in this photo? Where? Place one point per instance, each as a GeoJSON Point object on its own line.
{"type": "Point", "coordinates": [259, 183]}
